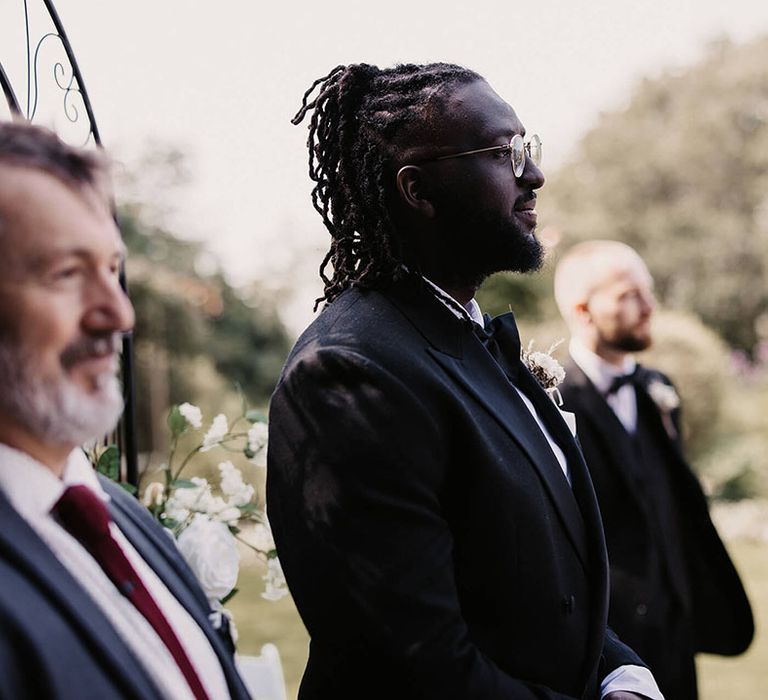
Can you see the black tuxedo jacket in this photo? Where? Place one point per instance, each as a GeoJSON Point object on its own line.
{"type": "Point", "coordinates": [715, 601]}
{"type": "Point", "coordinates": [428, 535]}
{"type": "Point", "coordinates": [54, 641]}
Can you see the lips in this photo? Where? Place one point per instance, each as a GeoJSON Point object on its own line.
{"type": "Point", "coordinates": [526, 211]}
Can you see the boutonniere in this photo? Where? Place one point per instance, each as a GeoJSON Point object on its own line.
{"type": "Point", "coordinates": [664, 396]}
{"type": "Point", "coordinates": [547, 370]}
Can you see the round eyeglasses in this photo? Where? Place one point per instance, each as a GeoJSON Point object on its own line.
{"type": "Point", "coordinates": [518, 149]}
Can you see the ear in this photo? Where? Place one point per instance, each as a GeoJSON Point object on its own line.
{"type": "Point", "coordinates": [582, 314]}
{"type": "Point", "coordinates": [413, 190]}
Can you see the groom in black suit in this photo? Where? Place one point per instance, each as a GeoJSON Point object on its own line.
{"type": "Point", "coordinates": [95, 601]}
{"type": "Point", "coordinates": [432, 512]}
{"type": "Point", "coordinates": [674, 590]}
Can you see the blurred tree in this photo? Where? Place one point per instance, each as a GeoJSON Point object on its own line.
{"type": "Point", "coordinates": [681, 175]}
{"type": "Point", "coordinates": [196, 337]}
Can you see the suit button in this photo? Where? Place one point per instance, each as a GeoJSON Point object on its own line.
{"type": "Point", "coordinates": [569, 604]}
{"type": "Point", "coordinates": [641, 609]}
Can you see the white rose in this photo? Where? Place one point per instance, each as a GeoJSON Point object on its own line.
{"type": "Point", "coordinates": [192, 414]}
{"type": "Point", "coordinates": [211, 552]}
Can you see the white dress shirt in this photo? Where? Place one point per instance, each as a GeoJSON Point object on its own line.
{"type": "Point", "coordinates": [635, 679]}
{"type": "Point", "coordinates": [33, 490]}
{"type": "Point", "coordinates": [601, 374]}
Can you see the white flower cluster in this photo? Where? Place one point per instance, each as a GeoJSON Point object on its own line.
{"type": "Point", "coordinates": [232, 485]}
{"type": "Point", "coordinates": [192, 414]}
{"type": "Point", "coordinates": [275, 586]}
{"type": "Point", "coordinates": [257, 443]}
{"type": "Point", "coordinates": [219, 428]}
{"type": "Point", "coordinates": [185, 502]}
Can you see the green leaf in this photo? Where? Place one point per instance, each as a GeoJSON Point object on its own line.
{"type": "Point", "coordinates": [249, 453]}
{"type": "Point", "coordinates": [248, 508]}
{"type": "Point", "coordinates": [183, 484]}
{"type": "Point", "coordinates": [176, 422]}
{"type": "Point", "coordinates": [108, 463]}
{"type": "Point", "coordinates": [254, 416]}
{"type": "Point", "coordinates": [130, 488]}
{"type": "Point", "coordinates": [229, 596]}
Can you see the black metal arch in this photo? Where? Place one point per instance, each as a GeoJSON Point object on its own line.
{"type": "Point", "coordinates": [126, 432]}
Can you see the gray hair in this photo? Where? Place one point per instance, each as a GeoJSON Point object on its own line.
{"type": "Point", "coordinates": [29, 146]}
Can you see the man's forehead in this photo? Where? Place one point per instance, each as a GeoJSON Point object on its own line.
{"type": "Point", "coordinates": [477, 112]}
{"type": "Point", "coordinates": [42, 217]}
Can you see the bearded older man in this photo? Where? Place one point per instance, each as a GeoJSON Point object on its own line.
{"type": "Point", "coordinates": [95, 602]}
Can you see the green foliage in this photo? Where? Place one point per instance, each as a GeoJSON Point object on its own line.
{"type": "Point", "coordinates": [108, 463]}
{"type": "Point", "coordinates": [177, 423]}
{"type": "Point", "coordinates": [681, 175]}
{"type": "Point", "coordinates": [529, 296]}
{"type": "Point", "coordinates": [696, 359]}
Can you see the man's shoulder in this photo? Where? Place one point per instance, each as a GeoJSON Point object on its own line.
{"type": "Point", "coordinates": [575, 380]}
{"type": "Point", "coordinates": [362, 322]}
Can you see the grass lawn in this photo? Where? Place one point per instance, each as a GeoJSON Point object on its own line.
{"type": "Point", "coordinates": [741, 678]}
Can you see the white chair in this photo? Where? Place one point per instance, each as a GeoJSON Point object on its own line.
{"type": "Point", "coordinates": [263, 675]}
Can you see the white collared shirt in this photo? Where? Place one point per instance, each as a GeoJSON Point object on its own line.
{"type": "Point", "coordinates": [33, 490]}
{"type": "Point", "coordinates": [637, 679]}
{"type": "Point", "coordinates": [601, 374]}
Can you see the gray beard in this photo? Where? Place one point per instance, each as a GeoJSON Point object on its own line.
{"type": "Point", "coordinates": [57, 413]}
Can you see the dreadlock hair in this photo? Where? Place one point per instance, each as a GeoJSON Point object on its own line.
{"type": "Point", "coordinates": [360, 113]}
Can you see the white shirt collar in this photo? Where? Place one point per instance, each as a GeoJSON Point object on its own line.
{"type": "Point", "coordinates": [599, 372]}
{"type": "Point", "coordinates": [472, 307]}
{"type": "Point", "coordinates": [33, 489]}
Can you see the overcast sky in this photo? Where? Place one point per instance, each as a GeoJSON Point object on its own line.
{"type": "Point", "coordinates": [220, 81]}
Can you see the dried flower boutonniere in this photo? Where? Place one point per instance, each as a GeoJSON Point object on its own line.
{"type": "Point", "coordinates": [547, 370]}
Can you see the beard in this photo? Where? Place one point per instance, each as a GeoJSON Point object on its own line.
{"type": "Point", "coordinates": [59, 411]}
{"type": "Point", "coordinates": [476, 244]}
{"type": "Point", "coordinates": [627, 342]}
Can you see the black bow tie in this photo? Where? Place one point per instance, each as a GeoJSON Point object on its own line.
{"type": "Point", "coordinates": [623, 379]}
{"type": "Point", "coordinates": [500, 337]}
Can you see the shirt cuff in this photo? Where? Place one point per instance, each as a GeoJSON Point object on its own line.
{"type": "Point", "coordinates": [631, 679]}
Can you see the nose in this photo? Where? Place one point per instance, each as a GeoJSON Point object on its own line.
{"type": "Point", "coordinates": [109, 308]}
{"type": "Point", "coordinates": [532, 176]}
{"type": "Point", "coordinates": [647, 302]}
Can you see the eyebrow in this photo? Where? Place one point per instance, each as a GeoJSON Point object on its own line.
{"type": "Point", "coordinates": [43, 260]}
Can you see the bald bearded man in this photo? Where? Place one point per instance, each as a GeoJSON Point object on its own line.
{"type": "Point", "coordinates": [674, 590]}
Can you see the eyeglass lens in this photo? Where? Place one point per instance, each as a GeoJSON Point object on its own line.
{"type": "Point", "coordinates": [518, 149]}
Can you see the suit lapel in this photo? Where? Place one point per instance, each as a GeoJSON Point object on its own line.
{"type": "Point", "coordinates": [159, 552]}
{"type": "Point", "coordinates": [30, 555]}
{"type": "Point", "coordinates": [589, 405]}
{"type": "Point", "coordinates": [456, 349]}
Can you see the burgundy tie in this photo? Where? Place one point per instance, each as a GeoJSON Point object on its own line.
{"type": "Point", "coordinates": [86, 518]}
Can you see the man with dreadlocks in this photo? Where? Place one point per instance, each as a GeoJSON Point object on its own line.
{"type": "Point", "coordinates": [432, 511]}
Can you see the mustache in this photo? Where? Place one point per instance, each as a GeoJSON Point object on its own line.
{"type": "Point", "coordinates": [525, 198]}
{"type": "Point", "coordinates": [90, 346]}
